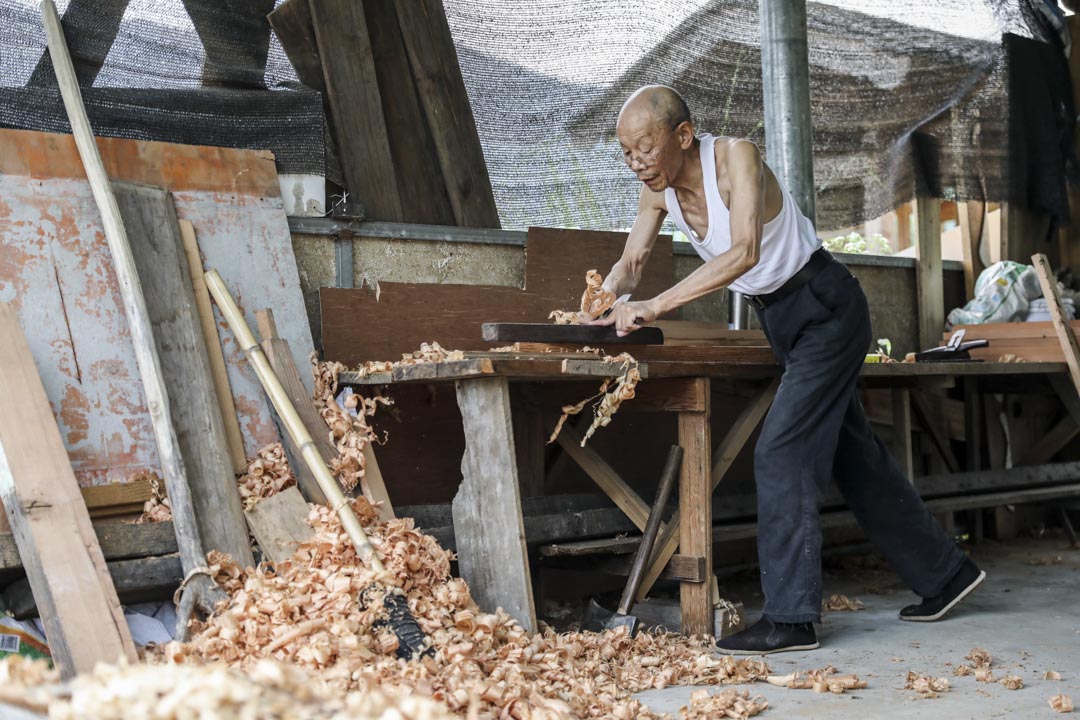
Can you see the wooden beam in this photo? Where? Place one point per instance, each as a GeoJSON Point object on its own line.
{"type": "Point", "coordinates": [901, 429]}
{"type": "Point", "coordinates": [938, 435]}
{"type": "Point", "coordinates": [488, 524]}
{"type": "Point", "coordinates": [681, 568]}
{"type": "Point", "coordinates": [1064, 330]}
{"type": "Point", "coordinates": [724, 454]}
{"type": "Point", "coordinates": [201, 591]}
{"type": "Point", "coordinates": [446, 104]}
{"type": "Point", "coordinates": [279, 524]}
{"type": "Point", "coordinates": [695, 513]}
{"type": "Point", "coordinates": [1051, 442]}
{"type": "Point", "coordinates": [421, 187]}
{"type": "Point", "coordinates": [63, 561]}
{"type": "Point", "coordinates": [136, 580]}
{"type": "Point", "coordinates": [928, 272]}
{"type": "Point", "coordinates": [604, 476]}
{"type": "Point", "coordinates": [161, 263]}
{"type": "Point", "coordinates": [972, 224]}
{"type": "Point", "coordinates": [352, 85]}
{"type": "Point", "coordinates": [222, 388]}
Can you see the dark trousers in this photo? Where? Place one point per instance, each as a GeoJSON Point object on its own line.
{"type": "Point", "coordinates": [816, 431]}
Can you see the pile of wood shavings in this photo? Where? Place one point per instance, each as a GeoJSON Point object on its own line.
{"type": "Point", "coordinates": [610, 400]}
{"type": "Point", "coordinates": [1061, 703]}
{"type": "Point", "coordinates": [485, 665]}
{"type": "Point", "coordinates": [595, 301]}
{"type": "Point", "coordinates": [842, 603]}
{"type": "Point", "coordinates": [428, 353]}
{"type": "Point", "coordinates": [268, 473]}
{"type": "Point", "coordinates": [979, 667]}
{"type": "Point", "coordinates": [157, 508]}
{"type": "Point", "coordinates": [350, 434]}
{"type": "Point", "coordinates": [268, 691]}
{"type": "Point", "coordinates": [928, 687]}
{"type": "Point", "coordinates": [726, 703]}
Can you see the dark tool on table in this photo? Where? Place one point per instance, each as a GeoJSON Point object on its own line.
{"type": "Point", "coordinates": [597, 618]}
{"type": "Point", "coordinates": [956, 350]}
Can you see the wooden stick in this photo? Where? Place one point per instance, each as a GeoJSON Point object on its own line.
{"type": "Point", "coordinates": [213, 350]}
{"type": "Point", "coordinates": [304, 628]}
{"type": "Point", "coordinates": [1057, 314]}
{"type": "Point", "coordinates": [291, 419]}
{"type": "Point", "coordinates": [205, 594]}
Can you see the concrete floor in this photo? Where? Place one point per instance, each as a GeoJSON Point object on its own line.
{"type": "Point", "coordinates": [1026, 615]}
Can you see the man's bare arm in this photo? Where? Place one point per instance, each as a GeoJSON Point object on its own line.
{"type": "Point", "coordinates": [626, 273]}
{"type": "Point", "coordinates": [747, 206]}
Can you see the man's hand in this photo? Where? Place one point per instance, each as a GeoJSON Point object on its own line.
{"type": "Point", "coordinates": [629, 316]}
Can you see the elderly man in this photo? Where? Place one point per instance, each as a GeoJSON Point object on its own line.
{"type": "Point", "coordinates": [754, 239]}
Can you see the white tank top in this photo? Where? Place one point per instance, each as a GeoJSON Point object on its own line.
{"type": "Point", "coordinates": [787, 241]}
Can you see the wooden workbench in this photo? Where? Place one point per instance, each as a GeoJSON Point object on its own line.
{"type": "Point", "coordinates": [487, 515]}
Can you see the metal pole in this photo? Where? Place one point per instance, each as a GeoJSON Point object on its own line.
{"type": "Point", "coordinates": [785, 74]}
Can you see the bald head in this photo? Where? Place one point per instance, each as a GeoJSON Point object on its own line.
{"type": "Point", "coordinates": [659, 104]}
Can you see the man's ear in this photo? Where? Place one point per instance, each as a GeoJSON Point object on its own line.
{"type": "Point", "coordinates": [685, 132]}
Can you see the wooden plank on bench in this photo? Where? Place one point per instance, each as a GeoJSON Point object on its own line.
{"type": "Point", "coordinates": [50, 522]}
{"type": "Point", "coordinates": [572, 334]}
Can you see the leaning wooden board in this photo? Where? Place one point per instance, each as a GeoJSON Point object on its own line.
{"type": "Point", "coordinates": [56, 270]}
{"type": "Point", "coordinates": [63, 561]}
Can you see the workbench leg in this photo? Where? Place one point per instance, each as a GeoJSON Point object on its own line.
{"type": "Point", "coordinates": [901, 425]}
{"type": "Point", "coordinates": [528, 443]}
{"type": "Point", "coordinates": [695, 511]}
{"type": "Point", "coordinates": [488, 526]}
{"type": "Point", "coordinates": [973, 423]}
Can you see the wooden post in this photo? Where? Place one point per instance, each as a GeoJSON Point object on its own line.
{"type": "Point", "coordinates": [972, 222]}
{"type": "Point", "coordinates": [1057, 314]}
{"type": "Point", "coordinates": [222, 388]}
{"type": "Point", "coordinates": [973, 423]}
{"type": "Point", "coordinates": [200, 591]}
{"type": "Point", "coordinates": [57, 545]}
{"type": "Point", "coordinates": [695, 513]}
{"type": "Point", "coordinates": [930, 293]}
{"type": "Point", "coordinates": [488, 526]}
{"type": "Point", "coordinates": [901, 427]}
{"type": "Point", "coordinates": [725, 454]}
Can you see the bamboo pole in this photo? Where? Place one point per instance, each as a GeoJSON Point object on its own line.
{"type": "Point", "coordinates": [192, 553]}
{"type": "Point", "coordinates": [291, 419]}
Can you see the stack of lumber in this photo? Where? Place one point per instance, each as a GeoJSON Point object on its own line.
{"type": "Point", "coordinates": [397, 105]}
{"type": "Point", "coordinates": [1026, 341]}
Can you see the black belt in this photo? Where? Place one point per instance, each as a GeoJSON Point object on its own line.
{"type": "Point", "coordinates": [820, 260]}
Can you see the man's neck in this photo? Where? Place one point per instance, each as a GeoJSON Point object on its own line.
{"type": "Point", "coordinates": [690, 178]}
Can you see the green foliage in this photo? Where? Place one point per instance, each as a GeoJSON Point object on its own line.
{"type": "Point", "coordinates": [876, 244]}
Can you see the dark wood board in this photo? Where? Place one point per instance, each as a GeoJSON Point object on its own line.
{"type": "Point", "coordinates": [577, 334]}
{"type": "Point", "coordinates": [421, 187]}
{"type": "Point", "coordinates": [443, 96]}
{"type": "Point", "coordinates": [157, 247]}
{"type": "Point", "coordinates": [357, 325]}
{"type": "Point", "coordinates": [353, 88]}
{"type": "Point", "coordinates": [556, 261]}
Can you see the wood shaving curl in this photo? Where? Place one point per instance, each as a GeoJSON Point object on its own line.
{"type": "Point", "coordinates": [1061, 703]}
{"type": "Point", "coordinates": [268, 473]}
{"type": "Point", "coordinates": [979, 658]}
{"type": "Point", "coordinates": [157, 508]}
{"type": "Point", "coordinates": [929, 687]}
{"type": "Point", "coordinates": [842, 603]}
{"type": "Point", "coordinates": [1012, 682]}
{"type": "Point", "coordinates": [1051, 675]}
{"type": "Point", "coordinates": [595, 301]}
{"type": "Point", "coordinates": [725, 704]}
{"type": "Point", "coordinates": [610, 400]}
{"type": "Point", "coordinates": [822, 681]}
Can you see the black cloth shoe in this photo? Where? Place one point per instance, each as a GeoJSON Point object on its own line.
{"type": "Point", "coordinates": [934, 608]}
{"type": "Point", "coordinates": [766, 636]}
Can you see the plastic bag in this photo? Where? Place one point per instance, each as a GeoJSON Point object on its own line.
{"type": "Point", "coordinates": [1002, 294]}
